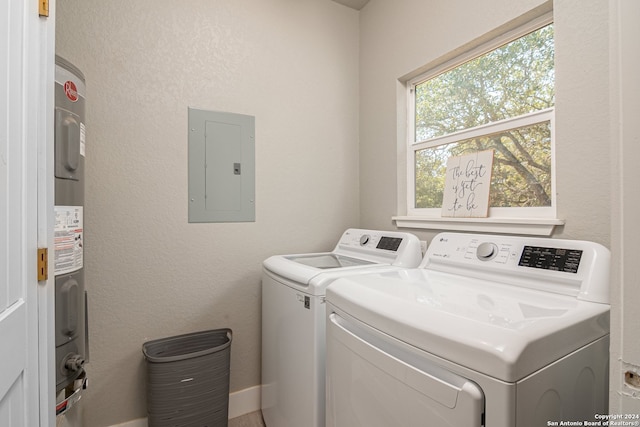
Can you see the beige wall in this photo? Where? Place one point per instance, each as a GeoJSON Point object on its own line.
{"type": "Point", "coordinates": [399, 38]}
{"type": "Point", "coordinates": [291, 64]}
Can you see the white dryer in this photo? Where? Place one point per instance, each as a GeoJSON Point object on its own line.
{"type": "Point", "coordinates": [293, 318]}
{"type": "Point", "coordinates": [489, 331]}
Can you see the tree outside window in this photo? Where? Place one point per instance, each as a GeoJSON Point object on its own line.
{"type": "Point", "coordinates": [502, 100]}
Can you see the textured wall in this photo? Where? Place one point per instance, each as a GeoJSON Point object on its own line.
{"type": "Point", "coordinates": [583, 166]}
{"type": "Point", "coordinates": [151, 274]}
{"type": "Point", "coordinates": [400, 38]}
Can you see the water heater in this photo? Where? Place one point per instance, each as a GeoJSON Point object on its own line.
{"type": "Point", "coordinates": [70, 295]}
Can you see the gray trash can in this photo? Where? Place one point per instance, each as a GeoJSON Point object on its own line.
{"type": "Point", "coordinates": [188, 379]}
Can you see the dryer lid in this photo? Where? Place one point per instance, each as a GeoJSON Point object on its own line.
{"type": "Point", "coordinates": [502, 331]}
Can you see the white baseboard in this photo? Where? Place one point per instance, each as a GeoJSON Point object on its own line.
{"type": "Point", "coordinates": [244, 401]}
{"type": "Point", "coordinates": [138, 422]}
{"type": "Point", "coordinates": [240, 403]}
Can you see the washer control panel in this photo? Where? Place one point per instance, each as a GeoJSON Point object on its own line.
{"type": "Point", "coordinates": [388, 247]}
{"type": "Point", "coordinates": [385, 240]}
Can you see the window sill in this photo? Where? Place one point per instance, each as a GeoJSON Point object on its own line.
{"type": "Point", "coordinates": [527, 226]}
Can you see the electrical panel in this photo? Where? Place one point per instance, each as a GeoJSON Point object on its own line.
{"type": "Point", "coordinates": [221, 167]}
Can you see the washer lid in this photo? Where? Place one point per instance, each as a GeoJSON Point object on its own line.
{"type": "Point", "coordinates": [301, 268]}
{"type": "Point", "coordinates": [327, 260]}
{"type": "Point", "coordinates": [357, 249]}
{"type": "Point", "coordinates": [502, 331]}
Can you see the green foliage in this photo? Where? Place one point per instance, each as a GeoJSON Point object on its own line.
{"type": "Point", "coordinates": [510, 81]}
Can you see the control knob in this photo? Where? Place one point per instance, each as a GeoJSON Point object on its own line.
{"type": "Point", "coordinates": [486, 251]}
{"type": "Point", "coordinates": [364, 239]}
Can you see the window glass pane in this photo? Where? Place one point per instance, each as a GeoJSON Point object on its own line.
{"type": "Point", "coordinates": [512, 80]}
{"type": "Point", "coordinates": [521, 175]}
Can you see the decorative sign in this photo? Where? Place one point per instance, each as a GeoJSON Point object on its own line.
{"type": "Point", "coordinates": [467, 185]}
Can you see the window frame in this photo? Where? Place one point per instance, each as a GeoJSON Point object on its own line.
{"type": "Point", "coordinates": [517, 219]}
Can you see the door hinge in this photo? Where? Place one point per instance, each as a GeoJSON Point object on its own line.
{"type": "Point", "coordinates": [43, 7]}
{"type": "Point", "coordinates": [43, 264]}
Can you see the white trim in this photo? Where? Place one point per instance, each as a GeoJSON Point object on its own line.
{"type": "Point", "coordinates": [138, 422]}
{"type": "Point", "coordinates": [244, 401]}
{"type": "Point", "coordinates": [524, 120]}
{"type": "Point", "coordinates": [240, 403]}
{"type": "Point", "coordinates": [46, 217]}
{"type": "Point", "coordinates": [523, 226]}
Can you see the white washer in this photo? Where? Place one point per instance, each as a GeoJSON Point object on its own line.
{"type": "Point", "coordinates": [293, 318]}
{"type": "Point", "coordinates": [489, 331]}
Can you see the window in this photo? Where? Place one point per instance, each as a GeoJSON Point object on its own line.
{"type": "Point", "coordinates": [500, 98]}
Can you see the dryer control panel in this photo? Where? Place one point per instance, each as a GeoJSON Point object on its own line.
{"type": "Point", "coordinates": [572, 267]}
{"type": "Point", "coordinates": [556, 259]}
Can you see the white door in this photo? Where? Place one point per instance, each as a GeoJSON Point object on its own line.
{"type": "Point", "coordinates": [376, 381]}
{"type": "Point", "coordinates": [24, 132]}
